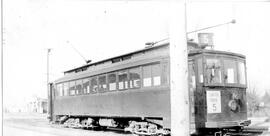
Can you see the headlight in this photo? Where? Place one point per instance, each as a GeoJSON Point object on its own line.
{"type": "Point", "coordinates": [233, 105]}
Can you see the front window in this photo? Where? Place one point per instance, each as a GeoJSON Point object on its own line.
{"type": "Point", "coordinates": [241, 73]}
{"type": "Point", "coordinates": [230, 71]}
{"type": "Point", "coordinates": [213, 71]}
{"type": "Point", "coordinates": [223, 70]}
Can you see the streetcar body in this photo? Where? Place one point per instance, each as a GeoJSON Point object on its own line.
{"type": "Point", "coordinates": [134, 89]}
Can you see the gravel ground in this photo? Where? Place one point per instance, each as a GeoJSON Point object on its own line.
{"type": "Point", "coordinates": [23, 124]}
{"type": "Point", "coordinates": [263, 122]}
{"type": "Point", "coordinates": [30, 124]}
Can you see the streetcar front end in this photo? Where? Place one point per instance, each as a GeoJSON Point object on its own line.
{"type": "Point", "coordinates": [220, 94]}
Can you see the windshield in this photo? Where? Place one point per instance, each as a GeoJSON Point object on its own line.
{"type": "Point", "coordinates": [230, 71]}
{"type": "Point", "coordinates": [242, 72]}
{"type": "Point", "coordinates": [225, 70]}
{"type": "Point", "coordinates": [213, 70]}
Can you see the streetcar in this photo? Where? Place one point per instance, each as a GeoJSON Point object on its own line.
{"type": "Point", "coordinates": [132, 92]}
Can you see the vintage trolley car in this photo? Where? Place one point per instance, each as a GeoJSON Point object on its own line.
{"type": "Point", "coordinates": [132, 92]}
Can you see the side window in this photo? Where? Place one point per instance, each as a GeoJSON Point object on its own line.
{"type": "Point", "coordinates": [72, 88]}
{"type": "Point", "coordinates": [85, 86]}
{"type": "Point", "coordinates": [59, 89]}
{"type": "Point", "coordinates": [93, 85]}
{"type": "Point", "coordinates": [102, 85]}
{"type": "Point", "coordinates": [191, 75]}
{"type": "Point", "coordinates": [147, 81]}
{"type": "Point", "coordinates": [65, 87]}
{"type": "Point", "coordinates": [165, 73]}
{"type": "Point", "coordinates": [156, 74]}
{"type": "Point", "coordinates": [54, 91]}
{"type": "Point", "coordinates": [112, 81]}
{"type": "Point", "coordinates": [135, 77]}
{"type": "Point", "coordinates": [152, 75]}
{"type": "Point", "coordinates": [200, 71]}
{"type": "Point", "coordinates": [122, 80]}
{"type": "Point", "coordinates": [79, 87]}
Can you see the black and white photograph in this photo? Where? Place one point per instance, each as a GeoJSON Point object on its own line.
{"type": "Point", "coordinates": [135, 67]}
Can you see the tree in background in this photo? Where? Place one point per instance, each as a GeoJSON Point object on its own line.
{"type": "Point", "coordinates": [253, 101]}
{"type": "Point", "coordinates": [266, 99]}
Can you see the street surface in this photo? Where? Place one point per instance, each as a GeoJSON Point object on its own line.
{"type": "Point", "coordinates": [34, 124]}
{"type": "Point", "coordinates": [23, 124]}
{"type": "Point", "coordinates": [261, 122]}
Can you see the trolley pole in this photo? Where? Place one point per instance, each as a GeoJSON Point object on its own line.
{"type": "Point", "coordinates": [48, 80]}
{"type": "Point", "coordinates": [180, 121]}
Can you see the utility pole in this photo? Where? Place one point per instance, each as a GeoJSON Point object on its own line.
{"type": "Point", "coordinates": [180, 121]}
{"type": "Point", "coordinates": [2, 62]}
{"type": "Point", "coordinates": [48, 80]}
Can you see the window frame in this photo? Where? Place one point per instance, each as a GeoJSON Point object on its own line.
{"type": "Point", "coordinates": [77, 92]}
{"type": "Point", "coordinates": [236, 71]}
{"type": "Point", "coordinates": [163, 66]}
{"type": "Point", "coordinates": [222, 57]}
{"type": "Point", "coordinates": [221, 70]}
{"type": "Point", "coordinates": [70, 87]}
{"type": "Point", "coordinates": [90, 85]}
{"type": "Point", "coordinates": [140, 74]}
{"type": "Point", "coordinates": [67, 83]}
{"type": "Point", "coordinates": [124, 84]}
{"type": "Point", "coordinates": [108, 82]}
{"type": "Point", "coordinates": [245, 71]}
{"type": "Point", "coordinates": [143, 75]}
{"type": "Point", "coordinates": [151, 74]}
{"type": "Point", "coordinates": [57, 92]}
{"type": "Point", "coordinates": [160, 74]}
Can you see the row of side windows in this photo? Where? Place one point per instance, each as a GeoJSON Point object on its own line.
{"type": "Point", "coordinates": [137, 77]}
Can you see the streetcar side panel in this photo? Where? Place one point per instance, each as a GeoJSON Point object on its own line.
{"type": "Point", "coordinates": [150, 100]}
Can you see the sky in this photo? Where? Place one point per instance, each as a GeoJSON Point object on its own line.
{"type": "Point", "coordinates": [103, 29]}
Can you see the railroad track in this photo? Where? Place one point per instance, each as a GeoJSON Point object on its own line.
{"type": "Point", "coordinates": [252, 131]}
{"type": "Point", "coordinates": [246, 131]}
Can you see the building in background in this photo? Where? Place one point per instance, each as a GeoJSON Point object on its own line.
{"type": "Point", "coordinates": [37, 105]}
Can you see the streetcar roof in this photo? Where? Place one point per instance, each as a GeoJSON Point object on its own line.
{"type": "Point", "coordinates": [119, 56]}
{"type": "Point", "coordinates": [192, 52]}
{"type": "Point", "coordinates": [214, 52]}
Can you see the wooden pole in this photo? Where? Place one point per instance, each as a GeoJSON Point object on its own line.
{"type": "Point", "coordinates": [180, 121]}
{"type": "Point", "coordinates": [48, 80]}
{"type": "Point", "coordinates": [2, 66]}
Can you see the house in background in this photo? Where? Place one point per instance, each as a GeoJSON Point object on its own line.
{"type": "Point", "coordinates": [37, 105]}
